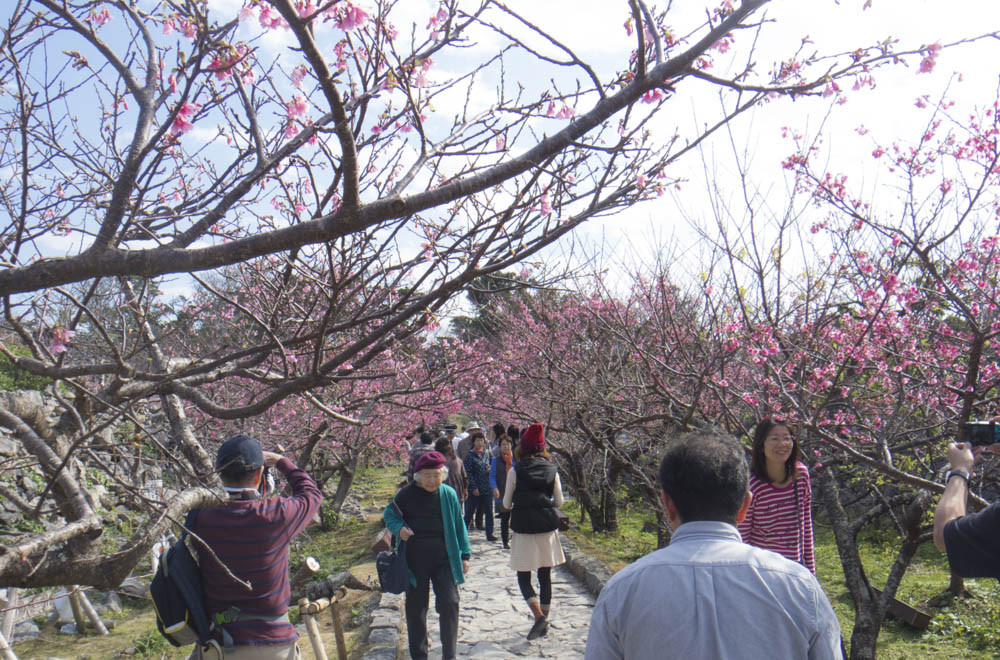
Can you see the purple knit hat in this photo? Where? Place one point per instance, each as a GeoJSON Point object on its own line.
{"type": "Point", "coordinates": [432, 460]}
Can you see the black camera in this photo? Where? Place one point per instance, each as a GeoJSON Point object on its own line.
{"type": "Point", "coordinates": [981, 434]}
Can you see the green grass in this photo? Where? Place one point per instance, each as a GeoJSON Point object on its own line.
{"type": "Point", "coordinates": [615, 550]}
{"type": "Point", "coordinates": [963, 628]}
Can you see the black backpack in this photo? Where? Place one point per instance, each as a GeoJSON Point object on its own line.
{"type": "Point", "coordinates": [177, 595]}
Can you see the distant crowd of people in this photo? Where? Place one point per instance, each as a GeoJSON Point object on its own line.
{"type": "Point", "coordinates": [737, 579]}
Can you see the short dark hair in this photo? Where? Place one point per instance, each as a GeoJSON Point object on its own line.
{"type": "Point", "coordinates": [426, 437]}
{"type": "Point", "coordinates": [514, 433]}
{"type": "Point", "coordinates": [758, 463]}
{"type": "Point", "coordinates": [705, 474]}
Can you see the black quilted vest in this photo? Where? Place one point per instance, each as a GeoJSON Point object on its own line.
{"type": "Point", "coordinates": [533, 511]}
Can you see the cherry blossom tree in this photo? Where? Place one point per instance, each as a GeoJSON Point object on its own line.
{"type": "Point", "coordinates": [331, 175]}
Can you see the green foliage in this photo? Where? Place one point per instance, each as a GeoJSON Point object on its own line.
{"type": "Point", "coordinates": [151, 644]}
{"type": "Point", "coordinates": [12, 378]}
{"type": "Point", "coordinates": [616, 550]}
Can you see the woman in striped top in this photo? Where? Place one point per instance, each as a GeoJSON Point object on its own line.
{"type": "Point", "coordinates": [780, 514]}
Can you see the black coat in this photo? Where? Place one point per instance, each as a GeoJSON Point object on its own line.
{"type": "Point", "coordinates": [533, 510]}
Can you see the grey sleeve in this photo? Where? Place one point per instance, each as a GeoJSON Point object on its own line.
{"type": "Point", "coordinates": [602, 638]}
{"type": "Point", "coordinates": [826, 642]}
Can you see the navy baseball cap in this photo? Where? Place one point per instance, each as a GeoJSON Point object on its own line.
{"type": "Point", "coordinates": [239, 450]}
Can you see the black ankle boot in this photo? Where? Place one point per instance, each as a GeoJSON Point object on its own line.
{"type": "Point", "coordinates": [540, 628]}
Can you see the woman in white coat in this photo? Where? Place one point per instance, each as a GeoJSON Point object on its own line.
{"type": "Point", "coordinates": [532, 494]}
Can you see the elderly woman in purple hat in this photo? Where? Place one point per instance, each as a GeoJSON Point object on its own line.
{"type": "Point", "coordinates": [427, 515]}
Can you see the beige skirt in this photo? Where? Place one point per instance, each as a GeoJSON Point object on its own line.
{"type": "Point", "coordinates": [529, 552]}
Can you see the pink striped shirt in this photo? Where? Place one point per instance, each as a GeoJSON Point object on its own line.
{"type": "Point", "coordinates": [772, 523]}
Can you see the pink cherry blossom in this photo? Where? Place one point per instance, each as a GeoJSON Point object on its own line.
{"type": "Point", "coordinates": [653, 95]}
{"type": "Point", "coordinates": [297, 107]}
{"type": "Point", "coordinates": [99, 18]}
{"type": "Point", "coordinates": [182, 121]}
{"type": "Point", "coordinates": [298, 73]}
{"type": "Point", "coordinates": [188, 29]}
{"type": "Point", "coordinates": [351, 17]}
{"type": "Point", "coordinates": [60, 340]}
{"type": "Point", "coordinates": [566, 112]}
{"type": "Point", "coordinates": [930, 59]}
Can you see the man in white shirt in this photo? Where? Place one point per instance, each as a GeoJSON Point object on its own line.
{"type": "Point", "coordinates": [707, 594]}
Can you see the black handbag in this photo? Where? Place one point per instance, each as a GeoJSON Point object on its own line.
{"type": "Point", "coordinates": [393, 573]}
{"type": "Point", "coordinates": [563, 520]}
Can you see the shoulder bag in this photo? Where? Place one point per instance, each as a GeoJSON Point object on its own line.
{"type": "Point", "coordinates": [393, 573]}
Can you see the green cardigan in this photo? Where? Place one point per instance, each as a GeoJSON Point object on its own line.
{"type": "Point", "coordinates": [456, 537]}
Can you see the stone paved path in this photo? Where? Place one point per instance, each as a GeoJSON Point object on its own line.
{"type": "Point", "coordinates": [494, 620]}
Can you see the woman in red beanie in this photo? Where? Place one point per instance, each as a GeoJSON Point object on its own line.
{"type": "Point", "coordinates": [533, 492]}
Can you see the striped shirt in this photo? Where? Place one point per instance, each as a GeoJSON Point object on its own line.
{"type": "Point", "coordinates": [772, 523]}
{"type": "Point", "coordinates": [251, 538]}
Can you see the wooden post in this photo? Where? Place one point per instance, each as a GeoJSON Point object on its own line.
{"type": "Point", "coordinates": [313, 629]}
{"type": "Point", "coordinates": [308, 568]}
{"type": "Point", "coordinates": [338, 630]}
{"type": "Point", "coordinates": [91, 613]}
{"type": "Point", "coordinates": [5, 651]}
{"type": "Point", "coordinates": [77, 607]}
{"type": "Point", "coordinates": [7, 627]}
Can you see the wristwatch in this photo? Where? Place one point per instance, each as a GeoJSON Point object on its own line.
{"type": "Point", "coordinates": [957, 472]}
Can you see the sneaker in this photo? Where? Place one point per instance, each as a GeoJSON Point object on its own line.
{"type": "Point", "coordinates": [492, 539]}
{"type": "Point", "coordinates": [540, 628]}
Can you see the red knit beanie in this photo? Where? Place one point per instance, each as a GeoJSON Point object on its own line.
{"type": "Point", "coordinates": [533, 439]}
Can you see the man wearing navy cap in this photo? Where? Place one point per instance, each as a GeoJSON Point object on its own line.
{"type": "Point", "coordinates": [250, 536]}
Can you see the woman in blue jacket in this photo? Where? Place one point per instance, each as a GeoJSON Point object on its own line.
{"type": "Point", "coordinates": [477, 469]}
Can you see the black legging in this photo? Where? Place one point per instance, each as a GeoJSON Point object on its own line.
{"type": "Point", "coordinates": [544, 585]}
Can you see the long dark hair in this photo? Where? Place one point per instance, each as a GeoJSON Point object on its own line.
{"type": "Point", "coordinates": [443, 445]}
{"type": "Point", "coordinates": [758, 463]}
{"type": "Point", "coordinates": [521, 455]}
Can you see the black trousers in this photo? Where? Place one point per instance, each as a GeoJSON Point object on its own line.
{"type": "Point", "coordinates": [504, 517]}
{"type": "Point", "coordinates": [483, 502]}
{"type": "Point", "coordinates": [544, 585]}
{"type": "Point", "coordinates": [445, 602]}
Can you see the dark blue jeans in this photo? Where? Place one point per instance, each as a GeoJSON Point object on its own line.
{"type": "Point", "coordinates": [484, 500]}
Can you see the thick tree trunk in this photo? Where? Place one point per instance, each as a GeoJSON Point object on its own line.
{"type": "Point", "coordinates": [866, 624]}
{"type": "Point", "coordinates": [609, 497]}
{"type": "Point", "coordinates": [869, 608]}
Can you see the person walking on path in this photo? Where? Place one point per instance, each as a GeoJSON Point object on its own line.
{"type": "Point", "coordinates": [780, 514]}
{"type": "Point", "coordinates": [425, 445]}
{"type": "Point", "coordinates": [477, 468]}
{"type": "Point", "coordinates": [532, 492]}
{"type": "Point", "coordinates": [514, 434]}
{"type": "Point", "coordinates": [427, 516]}
{"type": "Point", "coordinates": [498, 432]}
{"type": "Point", "coordinates": [499, 467]}
{"type": "Point", "coordinates": [457, 478]}
{"type": "Point", "coordinates": [464, 445]}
